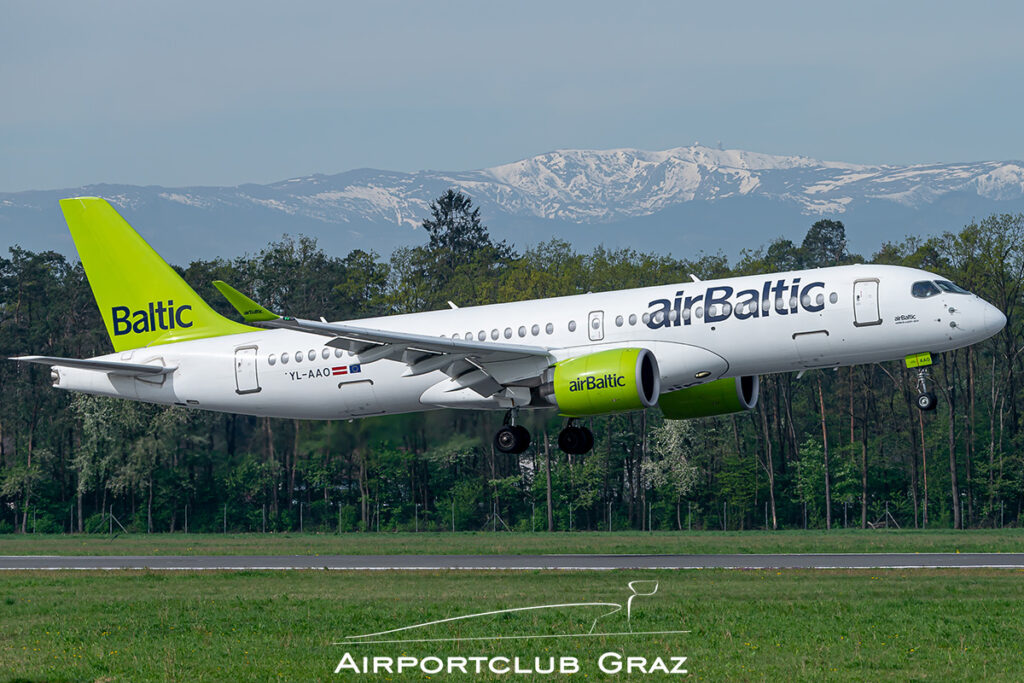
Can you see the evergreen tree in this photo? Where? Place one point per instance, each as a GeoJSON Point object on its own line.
{"type": "Point", "coordinates": [824, 245]}
{"type": "Point", "coordinates": [456, 233]}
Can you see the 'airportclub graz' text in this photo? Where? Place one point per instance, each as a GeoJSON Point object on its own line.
{"type": "Point", "coordinates": [608, 663]}
{"type": "Point", "coordinates": [778, 298]}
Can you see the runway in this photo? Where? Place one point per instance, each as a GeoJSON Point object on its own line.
{"type": "Point", "coordinates": [517, 562]}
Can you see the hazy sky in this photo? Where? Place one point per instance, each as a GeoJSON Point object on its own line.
{"type": "Point", "coordinates": [191, 93]}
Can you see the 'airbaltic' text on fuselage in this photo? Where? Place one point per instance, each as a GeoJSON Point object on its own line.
{"type": "Point", "coordinates": [721, 302]}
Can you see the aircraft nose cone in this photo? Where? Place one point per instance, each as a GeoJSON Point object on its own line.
{"type": "Point", "coordinates": [994, 320]}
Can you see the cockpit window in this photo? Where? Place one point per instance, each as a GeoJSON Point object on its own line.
{"type": "Point", "coordinates": [924, 289]}
{"type": "Point", "coordinates": [947, 286]}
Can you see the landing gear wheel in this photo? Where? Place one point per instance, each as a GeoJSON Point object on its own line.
{"type": "Point", "coordinates": [588, 444]}
{"type": "Point", "coordinates": [576, 440]}
{"type": "Point", "coordinates": [522, 437]}
{"type": "Point", "coordinates": [512, 439]}
{"type": "Point", "coordinates": [926, 400]}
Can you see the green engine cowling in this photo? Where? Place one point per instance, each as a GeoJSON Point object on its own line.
{"type": "Point", "coordinates": [606, 382]}
{"type": "Point", "coordinates": [720, 397]}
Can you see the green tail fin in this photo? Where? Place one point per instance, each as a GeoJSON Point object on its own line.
{"type": "Point", "coordinates": [143, 301]}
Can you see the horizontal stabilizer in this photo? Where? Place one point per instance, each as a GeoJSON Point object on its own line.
{"type": "Point", "coordinates": [111, 367]}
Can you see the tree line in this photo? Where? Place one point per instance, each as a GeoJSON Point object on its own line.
{"type": "Point", "coordinates": [830, 448]}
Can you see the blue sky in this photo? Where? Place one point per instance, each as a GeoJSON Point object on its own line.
{"type": "Point", "coordinates": [201, 93]}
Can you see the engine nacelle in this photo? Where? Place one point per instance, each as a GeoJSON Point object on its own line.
{"type": "Point", "coordinates": [720, 397]}
{"type": "Point", "coordinates": [606, 382]}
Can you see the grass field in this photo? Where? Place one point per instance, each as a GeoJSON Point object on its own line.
{"type": "Point", "coordinates": [744, 625]}
{"type": "Point", "coordinates": [837, 541]}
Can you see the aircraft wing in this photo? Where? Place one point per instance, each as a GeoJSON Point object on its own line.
{"type": "Point", "coordinates": [111, 367]}
{"type": "Point", "coordinates": [484, 367]}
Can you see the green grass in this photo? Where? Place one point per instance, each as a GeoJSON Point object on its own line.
{"type": "Point", "coordinates": [745, 625]}
{"type": "Point", "coordinates": [838, 541]}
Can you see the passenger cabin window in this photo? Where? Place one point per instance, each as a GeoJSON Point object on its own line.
{"type": "Point", "coordinates": [284, 358]}
{"type": "Point", "coordinates": [947, 286]}
{"type": "Point", "coordinates": [924, 289]}
{"type": "Point", "coordinates": [572, 325]}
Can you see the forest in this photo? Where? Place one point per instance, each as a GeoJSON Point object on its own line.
{"type": "Point", "coordinates": [843, 447]}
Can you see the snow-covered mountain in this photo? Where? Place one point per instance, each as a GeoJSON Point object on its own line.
{"type": "Point", "coordinates": [682, 199]}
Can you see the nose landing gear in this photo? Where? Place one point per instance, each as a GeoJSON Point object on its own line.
{"type": "Point", "coordinates": [574, 439]}
{"type": "Point", "coordinates": [512, 438]}
{"type": "Point", "coordinates": [926, 400]}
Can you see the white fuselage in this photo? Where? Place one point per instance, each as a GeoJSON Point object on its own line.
{"type": "Point", "coordinates": [825, 317]}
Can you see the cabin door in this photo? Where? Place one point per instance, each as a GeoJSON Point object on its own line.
{"type": "Point", "coordinates": [246, 380]}
{"type": "Point", "coordinates": [865, 303]}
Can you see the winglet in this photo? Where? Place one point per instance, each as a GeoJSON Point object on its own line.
{"type": "Point", "coordinates": [251, 311]}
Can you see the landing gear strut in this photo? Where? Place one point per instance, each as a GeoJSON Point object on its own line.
{"type": "Point", "coordinates": [512, 438]}
{"type": "Point", "coordinates": [926, 400]}
{"type": "Point", "coordinates": [574, 439]}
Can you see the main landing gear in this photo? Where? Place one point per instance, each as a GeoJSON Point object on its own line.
{"type": "Point", "coordinates": [515, 439]}
{"type": "Point", "coordinates": [574, 439]}
{"type": "Point", "coordinates": [512, 438]}
{"type": "Point", "coordinates": [926, 400]}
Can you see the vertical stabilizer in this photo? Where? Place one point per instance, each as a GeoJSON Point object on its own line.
{"type": "Point", "coordinates": [143, 301]}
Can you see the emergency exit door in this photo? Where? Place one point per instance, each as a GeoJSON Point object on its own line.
{"type": "Point", "coordinates": [595, 325]}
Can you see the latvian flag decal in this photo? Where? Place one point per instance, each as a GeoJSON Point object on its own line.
{"type": "Point", "coordinates": [345, 370]}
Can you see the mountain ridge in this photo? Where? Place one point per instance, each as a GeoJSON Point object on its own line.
{"type": "Point", "coordinates": [679, 198]}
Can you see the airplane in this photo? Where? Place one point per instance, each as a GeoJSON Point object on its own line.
{"type": "Point", "coordinates": [694, 349]}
